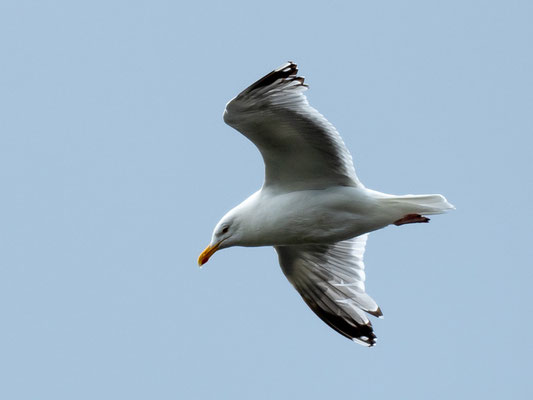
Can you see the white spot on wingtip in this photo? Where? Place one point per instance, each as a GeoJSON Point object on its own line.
{"type": "Point", "coordinates": [359, 341]}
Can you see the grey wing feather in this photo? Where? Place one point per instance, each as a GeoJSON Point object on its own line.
{"type": "Point", "coordinates": [300, 148]}
{"type": "Point", "coordinates": [330, 278]}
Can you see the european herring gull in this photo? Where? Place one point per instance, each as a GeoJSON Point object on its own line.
{"type": "Point", "coordinates": [312, 207]}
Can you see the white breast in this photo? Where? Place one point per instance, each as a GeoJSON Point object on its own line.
{"type": "Point", "coordinates": [309, 216]}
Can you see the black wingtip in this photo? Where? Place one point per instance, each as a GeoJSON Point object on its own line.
{"type": "Point", "coordinates": [286, 71]}
{"type": "Point", "coordinates": [361, 333]}
{"type": "Point", "coordinates": [376, 313]}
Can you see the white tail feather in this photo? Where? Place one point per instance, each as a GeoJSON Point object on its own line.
{"type": "Point", "coordinates": [425, 204]}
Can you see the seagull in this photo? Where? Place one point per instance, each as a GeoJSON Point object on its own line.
{"type": "Point", "coordinates": [312, 208]}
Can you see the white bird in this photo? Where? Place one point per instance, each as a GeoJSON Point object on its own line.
{"type": "Point", "coordinates": [312, 207]}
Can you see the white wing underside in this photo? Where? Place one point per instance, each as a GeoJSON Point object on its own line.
{"type": "Point", "coordinates": [330, 278]}
{"type": "Point", "coordinates": [300, 148]}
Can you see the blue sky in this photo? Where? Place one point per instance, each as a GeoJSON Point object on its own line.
{"type": "Point", "coordinates": [115, 165]}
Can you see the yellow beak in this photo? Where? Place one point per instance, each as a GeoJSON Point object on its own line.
{"type": "Point", "coordinates": [207, 253]}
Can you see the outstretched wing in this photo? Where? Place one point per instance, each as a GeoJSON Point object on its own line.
{"type": "Point", "coordinates": [330, 278]}
{"type": "Point", "coordinates": [300, 148]}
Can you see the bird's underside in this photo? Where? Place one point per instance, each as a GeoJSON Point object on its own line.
{"type": "Point", "coordinates": [303, 152]}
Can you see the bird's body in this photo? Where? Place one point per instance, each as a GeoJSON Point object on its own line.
{"type": "Point", "coordinates": [312, 207]}
{"type": "Point", "coordinates": [319, 216]}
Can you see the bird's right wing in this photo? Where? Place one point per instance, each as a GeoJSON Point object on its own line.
{"type": "Point", "coordinates": [300, 148]}
{"type": "Point", "coordinates": [330, 278]}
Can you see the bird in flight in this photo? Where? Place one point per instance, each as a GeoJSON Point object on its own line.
{"type": "Point", "coordinates": [312, 208]}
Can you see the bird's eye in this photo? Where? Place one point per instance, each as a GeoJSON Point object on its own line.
{"type": "Point", "coordinates": [225, 230]}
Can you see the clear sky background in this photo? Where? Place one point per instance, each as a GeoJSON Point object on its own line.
{"type": "Point", "coordinates": [115, 165]}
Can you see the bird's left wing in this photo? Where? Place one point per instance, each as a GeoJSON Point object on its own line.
{"type": "Point", "coordinates": [330, 278]}
{"type": "Point", "coordinates": [300, 148]}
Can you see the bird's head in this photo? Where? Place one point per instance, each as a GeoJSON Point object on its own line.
{"type": "Point", "coordinates": [226, 234]}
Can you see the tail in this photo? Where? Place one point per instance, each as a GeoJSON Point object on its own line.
{"type": "Point", "coordinates": [424, 204]}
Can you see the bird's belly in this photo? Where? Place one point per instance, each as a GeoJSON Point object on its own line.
{"type": "Point", "coordinates": [318, 216]}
